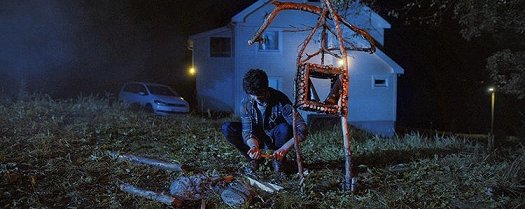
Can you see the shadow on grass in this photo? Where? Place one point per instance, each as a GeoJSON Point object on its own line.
{"type": "Point", "coordinates": [383, 158]}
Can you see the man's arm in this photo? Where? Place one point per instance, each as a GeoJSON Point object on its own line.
{"type": "Point", "coordinates": [247, 132]}
{"type": "Point", "coordinates": [300, 128]}
{"type": "Point", "coordinates": [281, 152]}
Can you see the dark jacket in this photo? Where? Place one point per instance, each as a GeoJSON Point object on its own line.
{"type": "Point", "coordinates": [279, 110]}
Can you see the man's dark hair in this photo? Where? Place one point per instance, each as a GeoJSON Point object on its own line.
{"type": "Point", "coordinates": [254, 81]}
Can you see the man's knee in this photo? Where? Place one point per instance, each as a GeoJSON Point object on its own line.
{"type": "Point", "coordinates": [231, 130]}
{"type": "Point", "coordinates": [225, 128]}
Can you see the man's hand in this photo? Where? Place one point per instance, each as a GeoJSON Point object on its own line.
{"type": "Point", "coordinates": [280, 153]}
{"type": "Point", "coordinates": [254, 153]}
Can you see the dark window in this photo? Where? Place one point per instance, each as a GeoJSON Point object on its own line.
{"type": "Point", "coordinates": [380, 83]}
{"type": "Point", "coordinates": [314, 0]}
{"type": "Point", "coordinates": [135, 88]}
{"type": "Point", "coordinates": [220, 47]}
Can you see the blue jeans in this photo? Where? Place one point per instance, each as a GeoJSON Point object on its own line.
{"type": "Point", "coordinates": [280, 134]}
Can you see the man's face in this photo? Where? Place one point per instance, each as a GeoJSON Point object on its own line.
{"type": "Point", "coordinates": [261, 96]}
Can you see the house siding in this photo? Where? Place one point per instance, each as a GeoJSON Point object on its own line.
{"type": "Point", "coordinates": [214, 75]}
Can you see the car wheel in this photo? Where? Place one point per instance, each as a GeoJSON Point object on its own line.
{"type": "Point", "coordinates": [149, 108]}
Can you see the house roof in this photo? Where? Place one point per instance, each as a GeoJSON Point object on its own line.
{"type": "Point", "coordinates": [241, 16]}
{"type": "Point", "coordinates": [206, 34]}
{"type": "Point", "coordinates": [210, 32]}
{"type": "Point", "coordinates": [396, 68]}
{"type": "Point", "coordinates": [377, 20]}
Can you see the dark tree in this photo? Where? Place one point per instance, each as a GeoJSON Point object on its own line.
{"type": "Point", "coordinates": [501, 21]}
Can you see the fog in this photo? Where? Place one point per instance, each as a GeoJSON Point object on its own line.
{"type": "Point", "coordinates": [67, 48]}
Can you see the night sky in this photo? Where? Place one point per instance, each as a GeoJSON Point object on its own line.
{"type": "Point", "coordinates": [66, 48]}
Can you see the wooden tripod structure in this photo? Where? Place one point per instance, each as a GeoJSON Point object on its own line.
{"type": "Point", "coordinates": [329, 22]}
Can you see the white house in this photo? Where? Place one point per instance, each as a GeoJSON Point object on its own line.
{"type": "Point", "coordinates": [222, 56]}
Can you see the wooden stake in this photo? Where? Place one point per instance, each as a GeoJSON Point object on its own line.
{"type": "Point", "coordinates": [298, 153]}
{"type": "Point", "coordinates": [347, 184]}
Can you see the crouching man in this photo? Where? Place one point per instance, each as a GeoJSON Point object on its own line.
{"type": "Point", "coordinates": [266, 123]}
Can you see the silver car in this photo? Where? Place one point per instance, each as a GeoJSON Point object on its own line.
{"type": "Point", "coordinates": [157, 98]}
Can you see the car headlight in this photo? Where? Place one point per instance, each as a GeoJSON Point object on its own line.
{"type": "Point", "coordinates": [161, 103]}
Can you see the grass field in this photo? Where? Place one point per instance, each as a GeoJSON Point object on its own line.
{"type": "Point", "coordinates": [53, 154]}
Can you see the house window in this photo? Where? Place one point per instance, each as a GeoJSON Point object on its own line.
{"type": "Point", "coordinates": [220, 47]}
{"type": "Point", "coordinates": [270, 41]}
{"type": "Point", "coordinates": [380, 82]}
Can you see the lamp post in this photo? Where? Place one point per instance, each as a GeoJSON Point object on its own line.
{"type": "Point", "coordinates": [493, 97]}
{"type": "Point", "coordinates": [492, 91]}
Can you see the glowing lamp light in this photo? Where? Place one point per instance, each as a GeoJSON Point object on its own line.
{"type": "Point", "coordinates": [192, 71]}
{"type": "Point", "coordinates": [491, 89]}
{"type": "Point", "coordinates": [341, 62]}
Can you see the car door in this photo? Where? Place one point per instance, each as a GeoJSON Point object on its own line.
{"type": "Point", "coordinates": [134, 93]}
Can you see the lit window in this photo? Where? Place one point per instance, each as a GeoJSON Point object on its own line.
{"type": "Point", "coordinates": [270, 41]}
{"type": "Point", "coordinates": [220, 47]}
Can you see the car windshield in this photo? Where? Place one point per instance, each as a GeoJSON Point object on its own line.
{"type": "Point", "coordinates": [162, 90]}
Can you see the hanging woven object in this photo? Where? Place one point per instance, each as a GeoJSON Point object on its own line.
{"type": "Point", "coordinates": [303, 87]}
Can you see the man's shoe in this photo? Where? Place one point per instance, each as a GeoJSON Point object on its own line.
{"type": "Point", "coordinates": [278, 165]}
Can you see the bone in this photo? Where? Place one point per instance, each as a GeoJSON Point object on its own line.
{"type": "Point", "coordinates": [147, 161]}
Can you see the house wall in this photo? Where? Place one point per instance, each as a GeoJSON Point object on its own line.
{"type": "Point", "coordinates": [278, 64]}
{"type": "Point", "coordinates": [372, 107]}
{"type": "Point", "coordinates": [214, 81]}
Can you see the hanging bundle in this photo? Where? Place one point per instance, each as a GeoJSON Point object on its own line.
{"type": "Point", "coordinates": [304, 88]}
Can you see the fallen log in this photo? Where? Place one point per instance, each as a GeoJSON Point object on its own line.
{"type": "Point", "coordinates": [146, 161]}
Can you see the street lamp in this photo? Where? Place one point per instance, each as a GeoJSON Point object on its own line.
{"type": "Point", "coordinates": [492, 90]}
{"type": "Point", "coordinates": [490, 144]}
{"type": "Point", "coordinates": [192, 71]}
